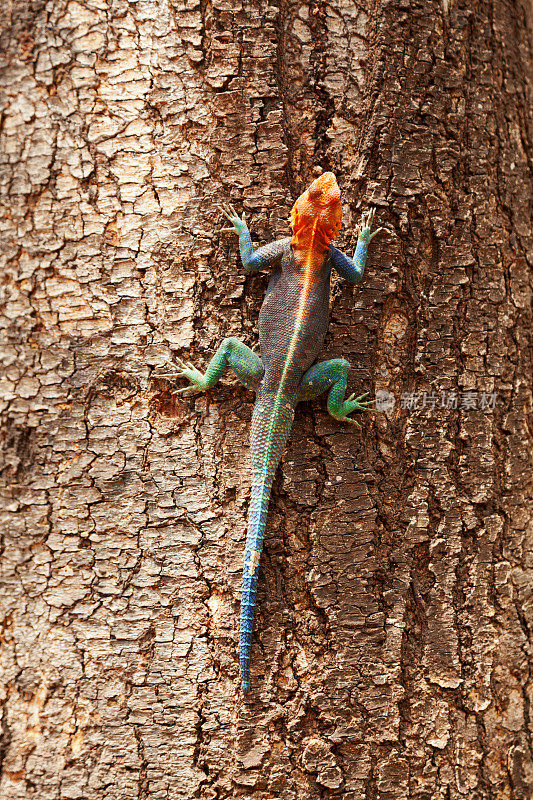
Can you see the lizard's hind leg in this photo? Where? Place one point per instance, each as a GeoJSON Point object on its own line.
{"type": "Point", "coordinates": [333, 375]}
{"type": "Point", "coordinates": [246, 365]}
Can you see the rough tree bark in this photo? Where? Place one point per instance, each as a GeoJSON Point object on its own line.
{"type": "Point", "coordinates": [390, 658]}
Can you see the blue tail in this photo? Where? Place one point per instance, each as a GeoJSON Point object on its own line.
{"type": "Point", "coordinates": [271, 425]}
{"type": "Point", "coordinates": [254, 545]}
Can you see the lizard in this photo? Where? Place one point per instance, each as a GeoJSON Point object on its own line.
{"type": "Point", "coordinates": [292, 326]}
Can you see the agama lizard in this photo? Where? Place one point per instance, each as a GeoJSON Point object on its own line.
{"type": "Point", "coordinates": [292, 326]}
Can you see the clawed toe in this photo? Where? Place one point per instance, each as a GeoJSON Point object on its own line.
{"type": "Point", "coordinates": [367, 219]}
{"type": "Point", "coordinates": [366, 404]}
{"type": "Point", "coordinates": [185, 365]}
{"type": "Point", "coordinates": [359, 403]}
{"type": "Point", "coordinates": [187, 370]}
{"type": "Point", "coordinates": [352, 422]}
{"type": "Point", "coordinates": [180, 373]}
{"type": "Point", "coordinates": [226, 211]}
{"type": "Point", "coordinates": [170, 375]}
{"type": "Point", "coordinates": [351, 404]}
{"type": "Point", "coordinates": [229, 212]}
{"type": "Point", "coordinates": [360, 397]}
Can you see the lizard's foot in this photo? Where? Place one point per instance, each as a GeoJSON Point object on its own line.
{"type": "Point", "coordinates": [188, 371]}
{"type": "Point", "coordinates": [238, 223]}
{"type": "Point", "coordinates": [353, 403]}
{"type": "Point", "coordinates": [364, 227]}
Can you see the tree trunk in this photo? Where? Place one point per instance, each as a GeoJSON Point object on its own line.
{"type": "Point", "coordinates": [391, 644]}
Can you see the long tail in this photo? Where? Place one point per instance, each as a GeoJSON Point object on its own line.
{"type": "Point", "coordinates": [254, 545]}
{"type": "Point", "coordinates": [271, 424]}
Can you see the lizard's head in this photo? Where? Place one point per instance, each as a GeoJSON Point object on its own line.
{"type": "Point", "coordinates": [317, 211]}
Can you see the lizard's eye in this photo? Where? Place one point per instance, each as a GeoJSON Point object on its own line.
{"type": "Point", "coordinates": [315, 192]}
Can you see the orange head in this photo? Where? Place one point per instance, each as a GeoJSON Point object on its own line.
{"type": "Point", "coordinates": [316, 215]}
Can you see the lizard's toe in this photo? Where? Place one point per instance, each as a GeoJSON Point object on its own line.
{"type": "Point", "coordinates": [192, 387]}
{"type": "Point", "coordinates": [351, 421]}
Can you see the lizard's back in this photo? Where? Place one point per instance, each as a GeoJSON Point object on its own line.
{"type": "Point", "coordinates": [293, 320]}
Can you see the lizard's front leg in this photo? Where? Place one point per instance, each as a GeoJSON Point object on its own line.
{"type": "Point", "coordinates": [333, 375]}
{"type": "Point", "coordinates": [352, 269]}
{"type": "Point", "coordinates": [263, 256]}
{"type": "Point", "coordinates": [246, 365]}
